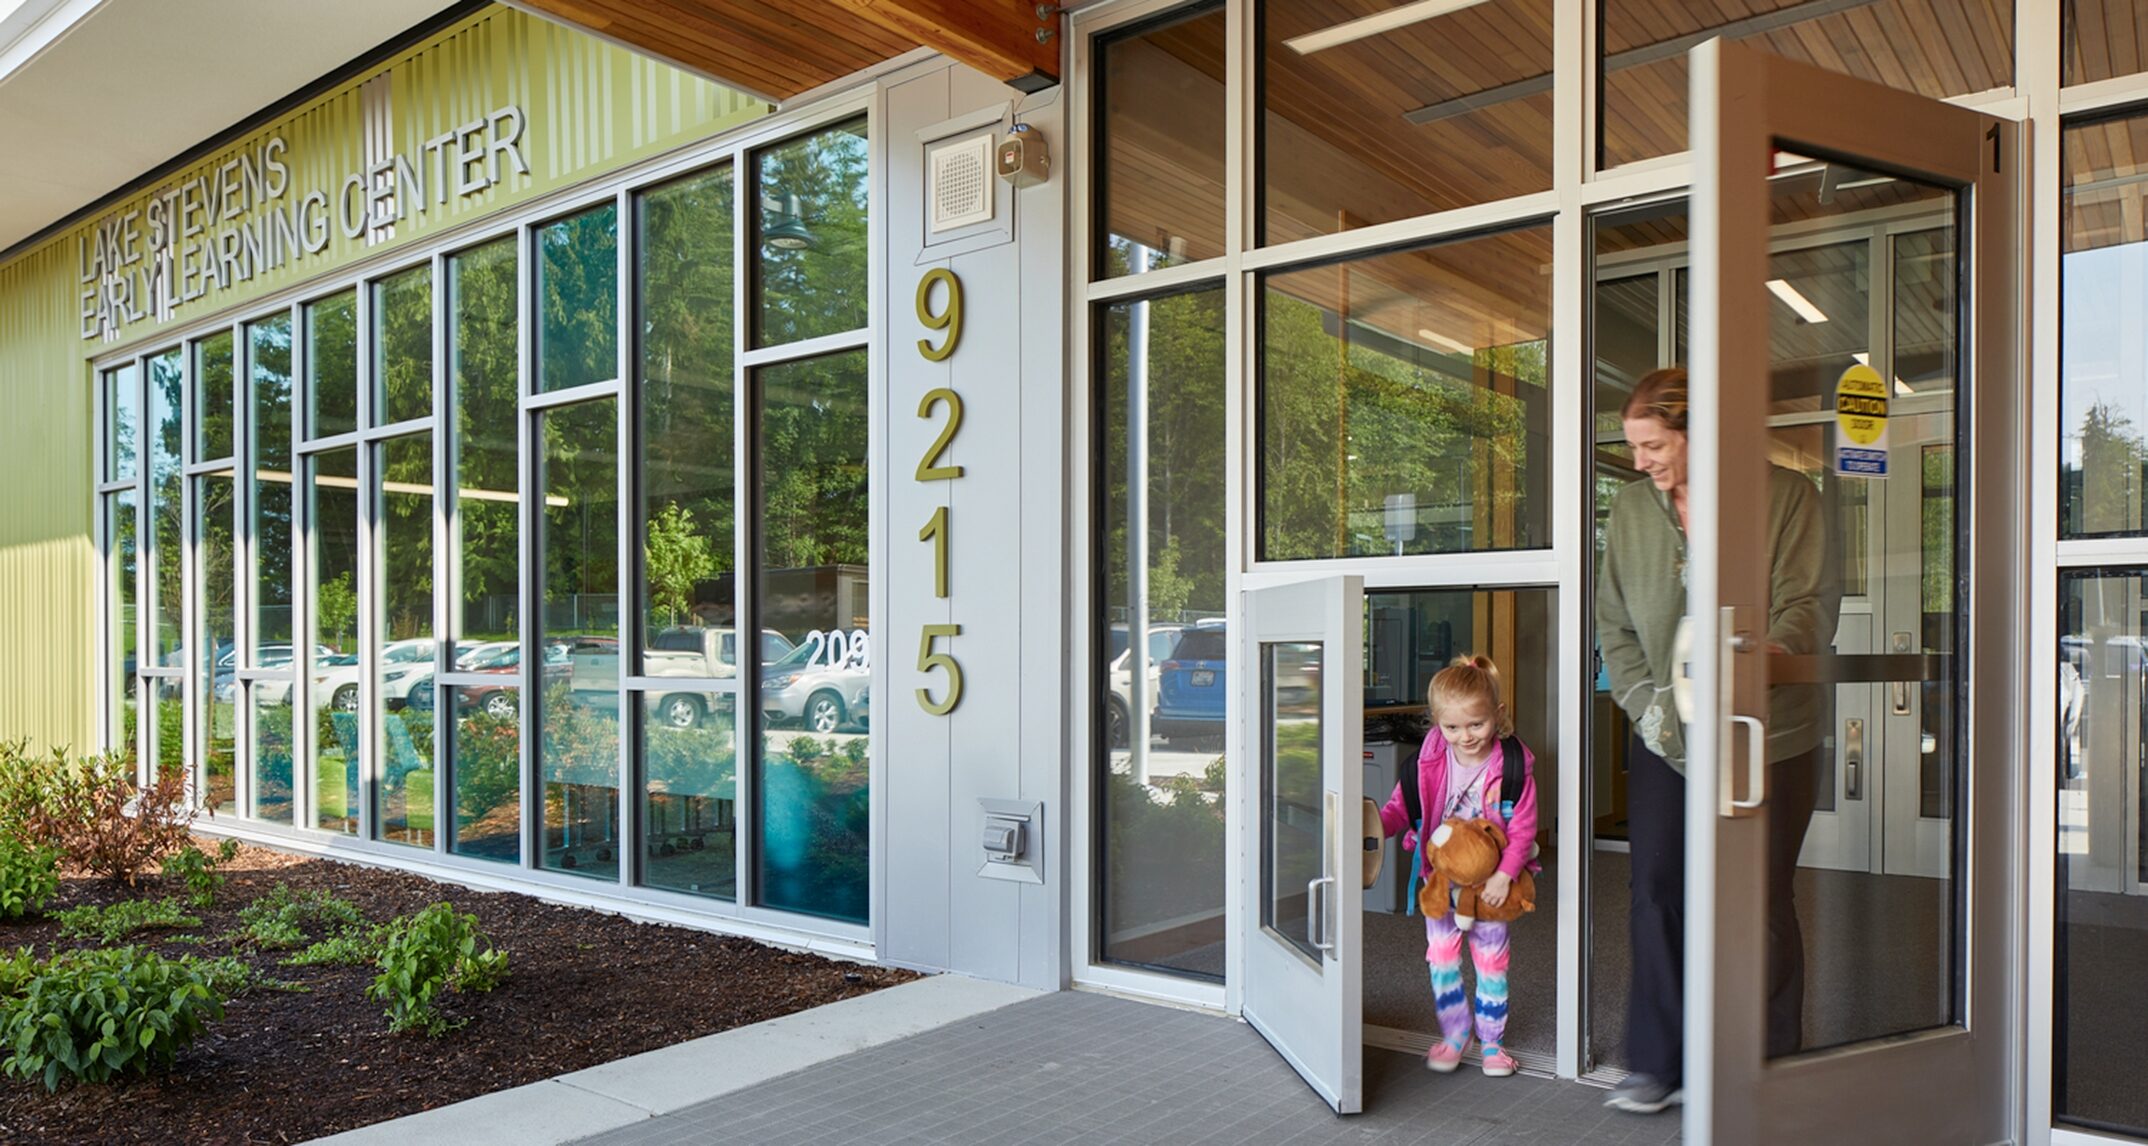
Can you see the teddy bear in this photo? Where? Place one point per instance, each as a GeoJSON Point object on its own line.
{"type": "Point", "coordinates": [1462, 855]}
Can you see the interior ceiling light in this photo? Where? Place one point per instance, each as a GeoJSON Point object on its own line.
{"type": "Point", "coordinates": [1351, 31]}
{"type": "Point", "coordinates": [1864, 359]}
{"type": "Point", "coordinates": [1795, 301]}
{"type": "Point", "coordinates": [1446, 343]}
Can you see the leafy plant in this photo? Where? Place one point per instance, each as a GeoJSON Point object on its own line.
{"type": "Point", "coordinates": [677, 557]}
{"type": "Point", "coordinates": [231, 976]}
{"type": "Point", "coordinates": [425, 955]}
{"type": "Point", "coordinates": [281, 919]}
{"type": "Point", "coordinates": [197, 869]}
{"type": "Point", "coordinates": [16, 968]}
{"type": "Point", "coordinates": [352, 947]}
{"type": "Point", "coordinates": [91, 809]}
{"type": "Point", "coordinates": [112, 923]}
{"type": "Point", "coordinates": [91, 1014]}
{"type": "Point", "coordinates": [29, 875]}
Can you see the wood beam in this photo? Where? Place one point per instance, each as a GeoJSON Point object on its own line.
{"type": "Point", "coordinates": [1013, 41]}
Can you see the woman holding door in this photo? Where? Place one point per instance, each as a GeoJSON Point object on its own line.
{"type": "Point", "coordinates": [1640, 599]}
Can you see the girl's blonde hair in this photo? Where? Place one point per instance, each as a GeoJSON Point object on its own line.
{"type": "Point", "coordinates": [1467, 679]}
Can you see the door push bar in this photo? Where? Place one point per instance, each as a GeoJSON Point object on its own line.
{"type": "Point", "coordinates": [1316, 914]}
{"type": "Point", "coordinates": [1736, 641]}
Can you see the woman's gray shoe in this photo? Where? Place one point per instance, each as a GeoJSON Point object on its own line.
{"type": "Point", "coordinates": [1644, 1094]}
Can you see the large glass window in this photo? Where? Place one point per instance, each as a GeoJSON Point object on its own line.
{"type": "Point", "coordinates": [1404, 405]}
{"type": "Point", "coordinates": [1363, 119]}
{"type": "Point", "coordinates": [1936, 48]}
{"type": "Point", "coordinates": [578, 300]}
{"type": "Point", "coordinates": [2102, 39]}
{"type": "Point", "coordinates": [215, 413]}
{"type": "Point", "coordinates": [687, 510]}
{"type": "Point", "coordinates": [1160, 573]}
{"type": "Point", "coordinates": [217, 661]}
{"type": "Point", "coordinates": [269, 641]}
{"type": "Point", "coordinates": [2101, 944]}
{"type": "Point", "coordinates": [123, 409]}
{"type": "Point", "coordinates": [812, 247]}
{"type": "Point", "coordinates": [403, 346]}
{"type": "Point", "coordinates": [332, 365]}
{"type": "Point", "coordinates": [1160, 143]}
{"type": "Point", "coordinates": [163, 595]}
{"type": "Point", "coordinates": [334, 489]}
{"type": "Point", "coordinates": [578, 554]}
{"type": "Point", "coordinates": [812, 548]}
{"type": "Point", "coordinates": [405, 496]}
{"type": "Point", "coordinates": [2103, 365]}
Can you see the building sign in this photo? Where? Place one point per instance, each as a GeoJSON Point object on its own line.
{"type": "Point", "coordinates": [222, 226]}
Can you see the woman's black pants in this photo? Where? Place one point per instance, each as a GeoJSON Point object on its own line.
{"type": "Point", "coordinates": [1656, 829]}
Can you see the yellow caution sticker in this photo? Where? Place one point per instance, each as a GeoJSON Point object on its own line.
{"type": "Point", "coordinates": [1861, 399]}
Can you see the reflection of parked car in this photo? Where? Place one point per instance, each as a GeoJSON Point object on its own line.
{"type": "Point", "coordinates": [223, 687]}
{"type": "Point", "coordinates": [1190, 687]}
{"type": "Point", "coordinates": [403, 664]}
{"type": "Point", "coordinates": [704, 653]}
{"type": "Point", "coordinates": [494, 657]}
{"type": "Point", "coordinates": [821, 697]}
{"type": "Point", "coordinates": [1118, 704]}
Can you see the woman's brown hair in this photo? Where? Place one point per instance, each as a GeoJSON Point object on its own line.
{"type": "Point", "coordinates": [1660, 394]}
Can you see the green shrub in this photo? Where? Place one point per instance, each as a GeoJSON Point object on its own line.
{"type": "Point", "coordinates": [16, 968]}
{"type": "Point", "coordinates": [110, 924]}
{"type": "Point", "coordinates": [197, 869]}
{"type": "Point", "coordinates": [25, 777]}
{"type": "Point", "coordinates": [281, 919]}
{"type": "Point", "coordinates": [352, 947]}
{"type": "Point", "coordinates": [29, 875]}
{"type": "Point", "coordinates": [425, 955]}
{"type": "Point", "coordinates": [92, 1014]}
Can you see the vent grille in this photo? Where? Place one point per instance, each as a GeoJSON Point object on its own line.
{"type": "Point", "coordinates": [961, 182]}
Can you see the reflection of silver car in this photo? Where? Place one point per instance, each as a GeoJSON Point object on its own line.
{"type": "Point", "coordinates": [1118, 706]}
{"type": "Point", "coordinates": [821, 697]}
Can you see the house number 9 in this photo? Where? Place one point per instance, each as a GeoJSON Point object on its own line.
{"type": "Point", "coordinates": [930, 468]}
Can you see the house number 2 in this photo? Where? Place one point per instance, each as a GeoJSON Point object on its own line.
{"type": "Point", "coordinates": [947, 320]}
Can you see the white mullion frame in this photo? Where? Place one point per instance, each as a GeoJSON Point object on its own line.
{"type": "Point", "coordinates": [192, 661]}
{"type": "Point", "coordinates": [1572, 468]}
{"type": "Point", "coordinates": [572, 396]}
{"type": "Point", "coordinates": [1163, 280]}
{"type": "Point", "coordinates": [745, 520]}
{"type": "Point", "coordinates": [402, 429]}
{"type": "Point", "coordinates": [446, 589]}
{"type": "Point", "coordinates": [369, 562]}
{"type": "Point", "coordinates": [304, 815]}
{"type": "Point", "coordinates": [816, 347]}
{"type": "Point", "coordinates": [626, 521]}
{"type": "Point", "coordinates": [245, 554]}
{"type": "Point", "coordinates": [1455, 223]}
{"type": "Point", "coordinates": [529, 580]}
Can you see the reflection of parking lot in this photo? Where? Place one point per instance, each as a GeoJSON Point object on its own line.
{"type": "Point", "coordinates": [1165, 761]}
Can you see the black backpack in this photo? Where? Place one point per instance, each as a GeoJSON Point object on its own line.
{"type": "Point", "coordinates": [1511, 779]}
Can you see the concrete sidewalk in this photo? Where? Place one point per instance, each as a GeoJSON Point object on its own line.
{"type": "Point", "coordinates": [633, 1090]}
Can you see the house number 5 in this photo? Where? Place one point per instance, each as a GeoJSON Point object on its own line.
{"type": "Point", "coordinates": [930, 468]}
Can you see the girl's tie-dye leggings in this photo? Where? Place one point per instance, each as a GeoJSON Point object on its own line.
{"type": "Point", "coordinates": [1488, 949]}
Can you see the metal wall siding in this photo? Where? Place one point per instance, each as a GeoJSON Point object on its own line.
{"type": "Point", "coordinates": [585, 116]}
{"type": "Point", "coordinates": [47, 562]}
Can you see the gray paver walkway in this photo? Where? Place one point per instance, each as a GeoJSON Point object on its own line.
{"type": "Point", "coordinates": [1080, 1067]}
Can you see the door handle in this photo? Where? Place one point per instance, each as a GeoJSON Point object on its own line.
{"type": "Point", "coordinates": [1853, 758]}
{"type": "Point", "coordinates": [1756, 768]}
{"type": "Point", "coordinates": [1898, 692]}
{"type": "Point", "coordinates": [1316, 914]}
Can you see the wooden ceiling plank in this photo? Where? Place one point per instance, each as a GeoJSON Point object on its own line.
{"type": "Point", "coordinates": [1005, 39]}
{"type": "Point", "coordinates": [684, 45]}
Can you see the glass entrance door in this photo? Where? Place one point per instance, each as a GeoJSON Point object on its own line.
{"type": "Point", "coordinates": [1810, 436]}
{"type": "Point", "coordinates": [1300, 907]}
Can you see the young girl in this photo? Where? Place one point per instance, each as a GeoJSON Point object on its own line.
{"type": "Point", "coordinates": [1459, 776]}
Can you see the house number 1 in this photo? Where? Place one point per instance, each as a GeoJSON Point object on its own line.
{"type": "Point", "coordinates": [936, 532]}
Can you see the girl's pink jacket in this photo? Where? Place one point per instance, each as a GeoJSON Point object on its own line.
{"type": "Point", "coordinates": [1432, 787]}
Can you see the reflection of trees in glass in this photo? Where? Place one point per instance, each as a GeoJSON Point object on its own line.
{"type": "Point", "coordinates": [488, 784]}
{"type": "Point", "coordinates": [579, 527]}
{"type": "Point", "coordinates": [2103, 492]}
{"type": "Point", "coordinates": [403, 345]}
{"type": "Point", "coordinates": [406, 528]}
{"type": "Point", "coordinates": [483, 361]}
{"type": "Point", "coordinates": [166, 513]}
{"type": "Point", "coordinates": [213, 397]}
{"type": "Point", "coordinates": [678, 558]}
{"type": "Point", "coordinates": [1185, 463]}
{"type": "Point", "coordinates": [122, 403]}
{"type": "Point", "coordinates": [332, 365]}
{"type": "Point", "coordinates": [1344, 425]}
{"type": "Point", "coordinates": [269, 364]}
{"type": "Point", "coordinates": [813, 436]}
{"type": "Point", "coordinates": [578, 300]}
{"type": "Point", "coordinates": [819, 288]}
{"type": "Point", "coordinates": [686, 388]}
{"type": "Point", "coordinates": [217, 555]}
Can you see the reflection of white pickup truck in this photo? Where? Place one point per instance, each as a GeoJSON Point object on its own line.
{"type": "Point", "coordinates": [707, 654]}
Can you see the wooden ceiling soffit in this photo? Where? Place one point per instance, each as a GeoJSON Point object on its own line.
{"type": "Point", "coordinates": [778, 51]}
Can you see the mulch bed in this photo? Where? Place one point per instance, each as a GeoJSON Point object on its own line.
{"type": "Point", "coordinates": [585, 988]}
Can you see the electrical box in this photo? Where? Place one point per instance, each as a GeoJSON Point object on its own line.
{"type": "Point", "coordinates": [1024, 160]}
{"type": "Point", "coordinates": [1012, 838]}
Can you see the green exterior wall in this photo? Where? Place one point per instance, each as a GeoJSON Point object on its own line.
{"type": "Point", "coordinates": [589, 108]}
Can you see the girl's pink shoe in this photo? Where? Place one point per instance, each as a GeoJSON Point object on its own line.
{"type": "Point", "coordinates": [1443, 1057]}
{"type": "Point", "coordinates": [1498, 1063]}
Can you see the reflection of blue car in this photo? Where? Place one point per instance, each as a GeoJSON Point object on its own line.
{"type": "Point", "coordinates": [1190, 687]}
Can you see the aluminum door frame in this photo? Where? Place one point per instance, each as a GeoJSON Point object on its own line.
{"type": "Point", "coordinates": [1314, 1015]}
{"type": "Point", "coordinates": [1746, 104]}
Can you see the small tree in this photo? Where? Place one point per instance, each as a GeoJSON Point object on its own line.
{"type": "Point", "coordinates": [678, 557]}
{"type": "Point", "coordinates": [337, 605]}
